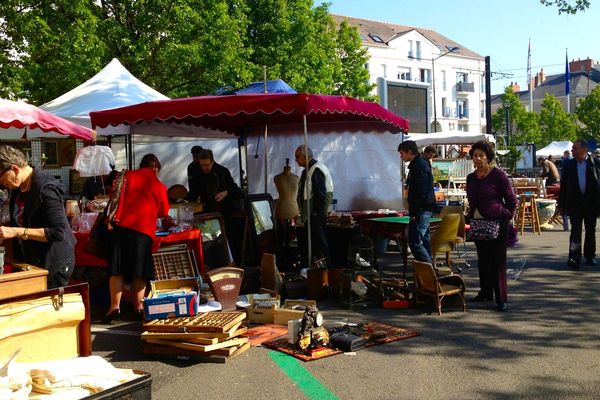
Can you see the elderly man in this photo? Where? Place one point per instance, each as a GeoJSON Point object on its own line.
{"type": "Point", "coordinates": [580, 199]}
{"type": "Point", "coordinates": [318, 196]}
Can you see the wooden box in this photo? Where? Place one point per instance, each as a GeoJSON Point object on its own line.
{"type": "Point", "coordinates": [20, 283]}
{"type": "Point", "coordinates": [292, 310]}
{"type": "Point", "coordinates": [77, 331]}
{"type": "Point", "coordinates": [259, 315]}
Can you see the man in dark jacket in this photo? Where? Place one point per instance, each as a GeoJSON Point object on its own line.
{"type": "Point", "coordinates": [421, 200]}
{"type": "Point", "coordinates": [580, 200]}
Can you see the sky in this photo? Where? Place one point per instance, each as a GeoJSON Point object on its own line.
{"type": "Point", "coordinates": [495, 28]}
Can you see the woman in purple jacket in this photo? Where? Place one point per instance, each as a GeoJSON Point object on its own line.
{"type": "Point", "coordinates": [491, 197]}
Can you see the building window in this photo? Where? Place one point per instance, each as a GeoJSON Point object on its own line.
{"type": "Point", "coordinates": [462, 109]}
{"type": "Point", "coordinates": [425, 75]}
{"type": "Point", "coordinates": [418, 50]}
{"type": "Point", "coordinates": [376, 38]}
{"type": "Point", "coordinates": [411, 54]}
{"type": "Point", "coordinates": [384, 70]}
{"type": "Point", "coordinates": [452, 126]}
{"type": "Point", "coordinates": [462, 77]}
{"type": "Point", "coordinates": [482, 108]}
{"type": "Point", "coordinates": [404, 74]}
{"type": "Point", "coordinates": [444, 80]}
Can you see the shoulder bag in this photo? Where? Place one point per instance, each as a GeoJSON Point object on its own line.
{"type": "Point", "coordinates": [485, 229]}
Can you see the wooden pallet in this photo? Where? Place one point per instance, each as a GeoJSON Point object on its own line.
{"type": "Point", "coordinates": [218, 322]}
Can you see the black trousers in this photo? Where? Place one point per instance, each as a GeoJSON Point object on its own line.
{"type": "Point", "coordinates": [318, 240]}
{"type": "Point", "coordinates": [491, 256]}
{"type": "Point", "coordinates": [589, 245]}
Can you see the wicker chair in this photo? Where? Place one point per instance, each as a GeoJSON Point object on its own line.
{"type": "Point", "coordinates": [444, 238]}
{"type": "Point", "coordinates": [428, 284]}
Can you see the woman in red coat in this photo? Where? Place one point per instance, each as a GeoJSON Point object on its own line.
{"type": "Point", "coordinates": [143, 199]}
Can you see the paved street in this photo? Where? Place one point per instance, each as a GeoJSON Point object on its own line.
{"type": "Point", "coordinates": [547, 346]}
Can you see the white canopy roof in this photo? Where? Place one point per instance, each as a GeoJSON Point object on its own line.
{"type": "Point", "coordinates": [114, 86]}
{"type": "Point", "coordinates": [454, 137]}
{"type": "Point", "coordinates": [555, 149]}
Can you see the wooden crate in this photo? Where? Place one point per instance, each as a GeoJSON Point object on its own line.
{"type": "Point", "coordinates": [31, 280]}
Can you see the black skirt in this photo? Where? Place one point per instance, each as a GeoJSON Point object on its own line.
{"type": "Point", "coordinates": [130, 254]}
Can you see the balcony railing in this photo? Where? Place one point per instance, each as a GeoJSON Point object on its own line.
{"type": "Point", "coordinates": [465, 87]}
{"type": "Point", "coordinates": [448, 112]}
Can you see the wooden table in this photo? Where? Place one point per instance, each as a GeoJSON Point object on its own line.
{"type": "Point", "coordinates": [399, 227]}
{"type": "Point", "coordinates": [21, 283]}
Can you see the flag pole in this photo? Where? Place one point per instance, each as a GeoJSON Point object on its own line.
{"type": "Point", "coordinates": [529, 76]}
{"type": "Point", "coordinates": [567, 81]}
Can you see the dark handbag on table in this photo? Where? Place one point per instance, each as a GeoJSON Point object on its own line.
{"type": "Point", "coordinates": [484, 229]}
{"type": "Point", "coordinates": [97, 241]}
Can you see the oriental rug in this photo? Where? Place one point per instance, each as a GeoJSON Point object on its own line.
{"type": "Point", "coordinates": [394, 333]}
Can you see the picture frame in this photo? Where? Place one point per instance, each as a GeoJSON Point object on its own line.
{"type": "Point", "coordinates": [51, 153]}
{"type": "Point", "coordinates": [76, 182]}
{"type": "Point", "coordinates": [67, 149]}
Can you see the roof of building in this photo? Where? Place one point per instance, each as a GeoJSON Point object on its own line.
{"type": "Point", "coordinates": [581, 85]}
{"type": "Point", "coordinates": [371, 30]}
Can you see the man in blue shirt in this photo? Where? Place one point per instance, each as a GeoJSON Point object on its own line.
{"type": "Point", "coordinates": [580, 200]}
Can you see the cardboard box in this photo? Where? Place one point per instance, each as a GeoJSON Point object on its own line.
{"type": "Point", "coordinates": [181, 304]}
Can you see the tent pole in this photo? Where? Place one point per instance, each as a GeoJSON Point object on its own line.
{"type": "Point", "coordinates": [129, 145]}
{"type": "Point", "coordinates": [307, 189]}
{"type": "Point", "coordinates": [266, 159]}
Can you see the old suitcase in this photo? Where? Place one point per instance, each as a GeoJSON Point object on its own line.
{"type": "Point", "coordinates": [77, 328]}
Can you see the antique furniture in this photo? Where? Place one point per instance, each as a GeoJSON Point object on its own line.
{"type": "Point", "coordinates": [428, 284]}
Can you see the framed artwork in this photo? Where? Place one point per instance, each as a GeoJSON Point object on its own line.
{"type": "Point", "coordinates": [76, 182]}
{"type": "Point", "coordinates": [50, 152]}
{"type": "Point", "coordinates": [67, 150]}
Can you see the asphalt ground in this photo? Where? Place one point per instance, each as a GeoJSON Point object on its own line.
{"type": "Point", "coordinates": [546, 346]}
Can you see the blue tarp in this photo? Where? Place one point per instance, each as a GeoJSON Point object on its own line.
{"type": "Point", "coordinates": [275, 86]}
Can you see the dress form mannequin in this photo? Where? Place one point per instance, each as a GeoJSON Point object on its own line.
{"type": "Point", "coordinates": [287, 187]}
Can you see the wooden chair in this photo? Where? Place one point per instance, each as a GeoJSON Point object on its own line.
{"type": "Point", "coordinates": [444, 238]}
{"type": "Point", "coordinates": [428, 284]}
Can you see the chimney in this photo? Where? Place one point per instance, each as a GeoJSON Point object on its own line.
{"type": "Point", "coordinates": [542, 76]}
{"type": "Point", "coordinates": [581, 65]}
{"type": "Point", "coordinates": [514, 86]}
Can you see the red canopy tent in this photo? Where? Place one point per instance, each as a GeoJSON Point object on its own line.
{"type": "Point", "coordinates": [20, 115]}
{"type": "Point", "coordinates": [221, 116]}
{"type": "Point", "coordinates": [236, 114]}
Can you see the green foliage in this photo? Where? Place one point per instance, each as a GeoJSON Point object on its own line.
{"type": "Point", "coordinates": [179, 47]}
{"type": "Point", "coordinates": [555, 123]}
{"type": "Point", "coordinates": [588, 113]}
{"type": "Point", "coordinates": [567, 6]}
{"type": "Point", "coordinates": [523, 125]}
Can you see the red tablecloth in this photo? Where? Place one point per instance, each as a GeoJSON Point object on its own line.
{"type": "Point", "coordinates": [192, 238]}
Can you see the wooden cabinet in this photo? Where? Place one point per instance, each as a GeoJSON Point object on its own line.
{"type": "Point", "coordinates": [23, 282]}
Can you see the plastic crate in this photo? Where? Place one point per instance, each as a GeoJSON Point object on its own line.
{"type": "Point", "coordinates": [174, 262]}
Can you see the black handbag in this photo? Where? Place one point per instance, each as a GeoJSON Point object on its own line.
{"type": "Point", "coordinates": [485, 229]}
{"type": "Point", "coordinates": [97, 242]}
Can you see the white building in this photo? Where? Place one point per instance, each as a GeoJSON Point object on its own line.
{"type": "Point", "coordinates": [410, 65]}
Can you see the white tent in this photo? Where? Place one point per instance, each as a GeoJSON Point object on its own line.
{"type": "Point", "coordinates": [114, 86]}
{"type": "Point", "coordinates": [555, 149]}
{"type": "Point", "coordinates": [447, 138]}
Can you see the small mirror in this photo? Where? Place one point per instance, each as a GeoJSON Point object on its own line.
{"type": "Point", "coordinates": [215, 247]}
{"type": "Point", "coordinates": [262, 222]}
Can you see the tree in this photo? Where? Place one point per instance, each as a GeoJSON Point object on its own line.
{"type": "Point", "coordinates": [555, 122]}
{"type": "Point", "coordinates": [588, 113]}
{"type": "Point", "coordinates": [523, 125]}
{"type": "Point", "coordinates": [351, 78]}
{"type": "Point", "coordinates": [180, 47]}
{"type": "Point", "coordinates": [567, 6]}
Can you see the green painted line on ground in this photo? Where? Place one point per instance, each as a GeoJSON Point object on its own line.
{"type": "Point", "coordinates": [312, 388]}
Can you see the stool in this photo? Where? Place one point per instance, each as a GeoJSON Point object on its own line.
{"type": "Point", "coordinates": [527, 214]}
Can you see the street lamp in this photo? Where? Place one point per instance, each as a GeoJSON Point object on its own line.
{"type": "Point", "coordinates": [506, 106]}
{"type": "Point", "coordinates": [450, 50]}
